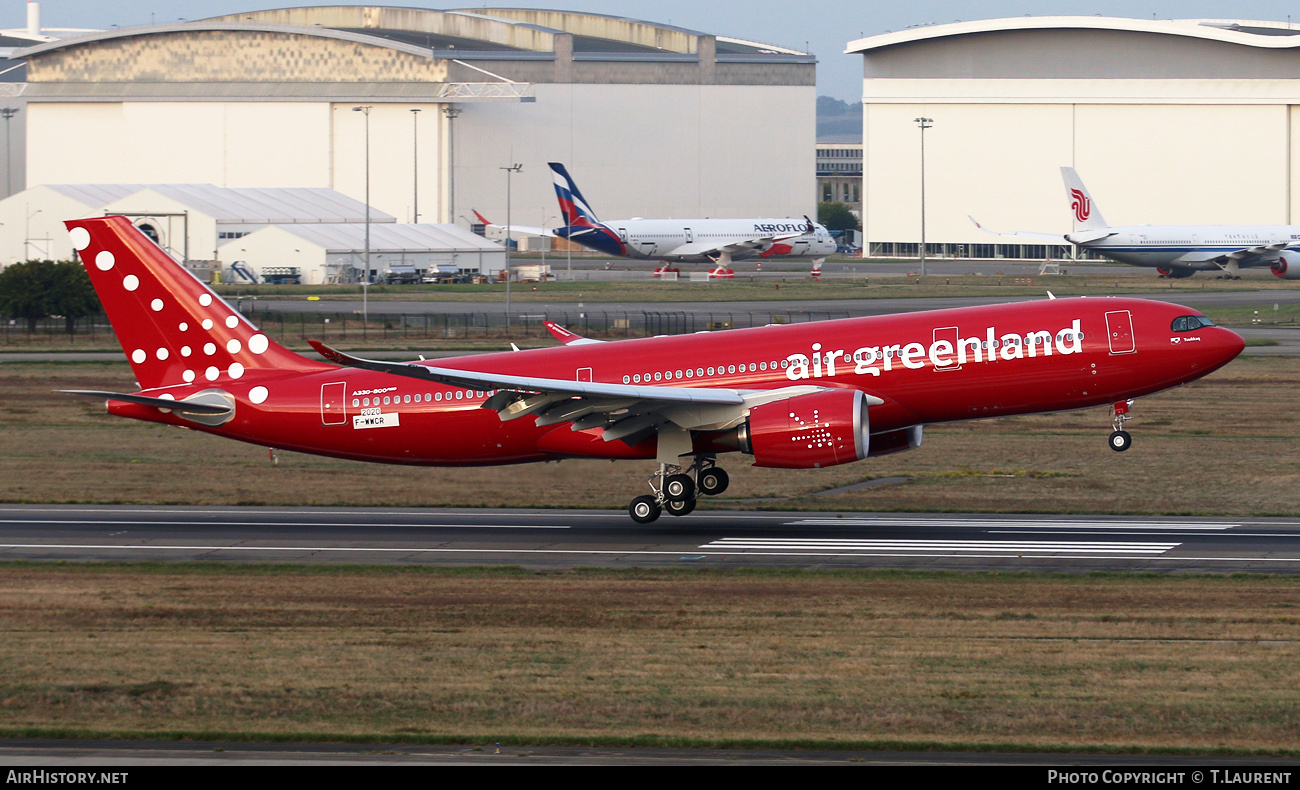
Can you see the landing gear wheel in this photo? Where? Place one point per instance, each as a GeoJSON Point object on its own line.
{"type": "Point", "coordinates": [1120, 441]}
{"type": "Point", "coordinates": [679, 488]}
{"type": "Point", "coordinates": [679, 507]}
{"type": "Point", "coordinates": [713, 481]}
{"type": "Point", "coordinates": [644, 509]}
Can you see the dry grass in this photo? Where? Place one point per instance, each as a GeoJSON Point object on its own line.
{"type": "Point", "coordinates": [849, 658]}
{"type": "Point", "coordinates": [1222, 445]}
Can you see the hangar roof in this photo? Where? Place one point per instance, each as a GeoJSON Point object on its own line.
{"type": "Point", "coordinates": [1273, 35]}
{"type": "Point", "coordinates": [463, 31]}
{"type": "Point", "coordinates": [244, 206]}
{"type": "Point", "coordinates": [1072, 47]}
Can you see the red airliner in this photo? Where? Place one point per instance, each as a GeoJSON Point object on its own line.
{"type": "Point", "coordinates": [793, 396]}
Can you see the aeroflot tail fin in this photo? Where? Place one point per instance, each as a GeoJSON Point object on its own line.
{"type": "Point", "coordinates": [573, 205]}
{"type": "Point", "coordinates": [173, 328]}
{"type": "Point", "coordinates": [1085, 213]}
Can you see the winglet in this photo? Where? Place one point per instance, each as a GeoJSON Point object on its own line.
{"type": "Point", "coordinates": [566, 337]}
{"type": "Point", "coordinates": [337, 357]}
{"type": "Point", "coordinates": [481, 218]}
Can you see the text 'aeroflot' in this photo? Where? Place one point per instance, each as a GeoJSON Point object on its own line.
{"type": "Point", "coordinates": [718, 241]}
{"type": "Point", "coordinates": [790, 396]}
{"type": "Point", "coordinates": [1174, 250]}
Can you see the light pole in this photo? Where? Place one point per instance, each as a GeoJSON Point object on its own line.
{"type": "Point", "coordinates": [27, 233]}
{"type": "Point", "coordinates": [365, 280]}
{"type": "Point", "coordinates": [509, 172]}
{"type": "Point", "coordinates": [415, 163]}
{"type": "Point", "coordinates": [924, 123]}
{"type": "Point", "coordinates": [8, 112]}
{"type": "Point", "coordinates": [452, 113]}
{"type": "Point", "coordinates": [546, 223]}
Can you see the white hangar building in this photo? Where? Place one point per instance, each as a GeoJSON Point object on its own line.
{"type": "Point", "coordinates": [651, 119]}
{"type": "Point", "coordinates": [1166, 121]}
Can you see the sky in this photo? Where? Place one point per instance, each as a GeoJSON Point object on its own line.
{"type": "Point", "coordinates": [823, 27]}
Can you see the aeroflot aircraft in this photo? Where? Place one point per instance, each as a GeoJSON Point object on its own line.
{"type": "Point", "coordinates": [1175, 250]}
{"type": "Point", "coordinates": [792, 396]}
{"type": "Point", "coordinates": [719, 241]}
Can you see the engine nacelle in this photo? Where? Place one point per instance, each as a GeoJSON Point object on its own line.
{"type": "Point", "coordinates": [1287, 265]}
{"type": "Point", "coordinates": [809, 431]}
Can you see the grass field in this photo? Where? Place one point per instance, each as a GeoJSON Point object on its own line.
{"type": "Point", "coordinates": [817, 659]}
{"type": "Point", "coordinates": [1222, 445]}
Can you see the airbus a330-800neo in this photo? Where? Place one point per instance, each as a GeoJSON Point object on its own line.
{"type": "Point", "coordinates": [789, 396]}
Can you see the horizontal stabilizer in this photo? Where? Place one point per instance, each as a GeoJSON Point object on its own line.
{"type": "Point", "coordinates": [1086, 236]}
{"type": "Point", "coordinates": [182, 406]}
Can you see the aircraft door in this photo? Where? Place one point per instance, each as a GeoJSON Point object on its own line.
{"type": "Point", "coordinates": [690, 237]}
{"type": "Point", "coordinates": [584, 374]}
{"type": "Point", "coordinates": [1119, 331]}
{"type": "Point", "coordinates": [333, 403]}
{"type": "Point", "coordinates": [948, 333]}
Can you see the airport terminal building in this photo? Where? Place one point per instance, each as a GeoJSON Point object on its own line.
{"type": "Point", "coordinates": [423, 110]}
{"type": "Point", "coordinates": [1166, 121]}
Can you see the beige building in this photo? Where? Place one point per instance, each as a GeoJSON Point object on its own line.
{"type": "Point", "coordinates": [270, 99]}
{"type": "Point", "coordinates": [1166, 121]}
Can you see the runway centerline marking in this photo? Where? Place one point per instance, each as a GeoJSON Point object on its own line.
{"type": "Point", "coordinates": [1010, 523]}
{"type": "Point", "coordinates": [1009, 546]}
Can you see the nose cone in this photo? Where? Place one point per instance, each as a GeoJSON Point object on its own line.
{"type": "Point", "coordinates": [1224, 345]}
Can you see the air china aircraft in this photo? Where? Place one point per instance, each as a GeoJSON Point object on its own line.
{"type": "Point", "coordinates": [1174, 250]}
{"type": "Point", "coordinates": [794, 396]}
{"type": "Point", "coordinates": [718, 241]}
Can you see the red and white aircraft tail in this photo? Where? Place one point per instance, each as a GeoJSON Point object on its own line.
{"type": "Point", "coordinates": [173, 328]}
{"type": "Point", "coordinates": [1083, 211]}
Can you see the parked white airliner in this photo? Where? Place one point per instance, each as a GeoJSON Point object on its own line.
{"type": "Point", "coordinates": [718, 241]}
{"type": "Point", "coordinates": [1174, 250]}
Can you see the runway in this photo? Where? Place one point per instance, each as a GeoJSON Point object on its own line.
{"type": "Point", "coordinates": [555, 539]}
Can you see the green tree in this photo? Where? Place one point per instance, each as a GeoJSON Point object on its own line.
{"type": "Point", "coordinates": [73, 296]}
{"type": "Point", "coordinates": [36, 289]}
{"type": "Point", "coordinates": [836, 216]}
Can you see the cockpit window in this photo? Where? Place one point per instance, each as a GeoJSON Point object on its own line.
{"type": "Point", "coordinates": [1187, 323]}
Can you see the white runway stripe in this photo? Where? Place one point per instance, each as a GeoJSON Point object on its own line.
{"type": "Point", "coordinates": [1005, 523]}
{"type": "Point", "coordinates": [1009, 546]}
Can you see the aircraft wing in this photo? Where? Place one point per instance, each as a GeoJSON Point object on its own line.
{"type": "Point", "coordinates": [735, 247]}
{"type": "Point", "coordinates": [627, 412]}
{"type": "Point", "coordinates": [1041, 238]}
{"type": "Point", "coordinates": [525, 229]}
{"type": "Point", "coordinates": [566, 337]}
{"type": "Point", "coordinates": [1267, 252]}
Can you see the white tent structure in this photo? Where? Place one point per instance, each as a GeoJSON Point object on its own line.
{"type": "Point", "coordinates": [325, 253]}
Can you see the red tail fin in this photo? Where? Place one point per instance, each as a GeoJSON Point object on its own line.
{"type": "Point", "coordinates": [173, 328]}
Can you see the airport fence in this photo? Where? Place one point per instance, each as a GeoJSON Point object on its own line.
{"type": "Point", "coordinates": [287, 326]}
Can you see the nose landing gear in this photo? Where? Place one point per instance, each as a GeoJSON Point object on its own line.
{"type": "Point", "coordinates": [676, 490]}
{"type": "Point", "coordinates": [1119, 438]}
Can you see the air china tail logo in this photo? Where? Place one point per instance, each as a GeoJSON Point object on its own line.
{"type": "Point", "coordinates": [1081, 205]}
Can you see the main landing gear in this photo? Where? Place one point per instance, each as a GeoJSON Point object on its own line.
{"type": "Point", "coordinates": [1119, 438]}
{"type": "Point", "coordinates": [676, 490]}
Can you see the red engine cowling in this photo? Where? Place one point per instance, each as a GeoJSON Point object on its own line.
{"type": "Point", "coordinates": [810, 431]}
{"type": "Point", "coordinates": [1287, 265]}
